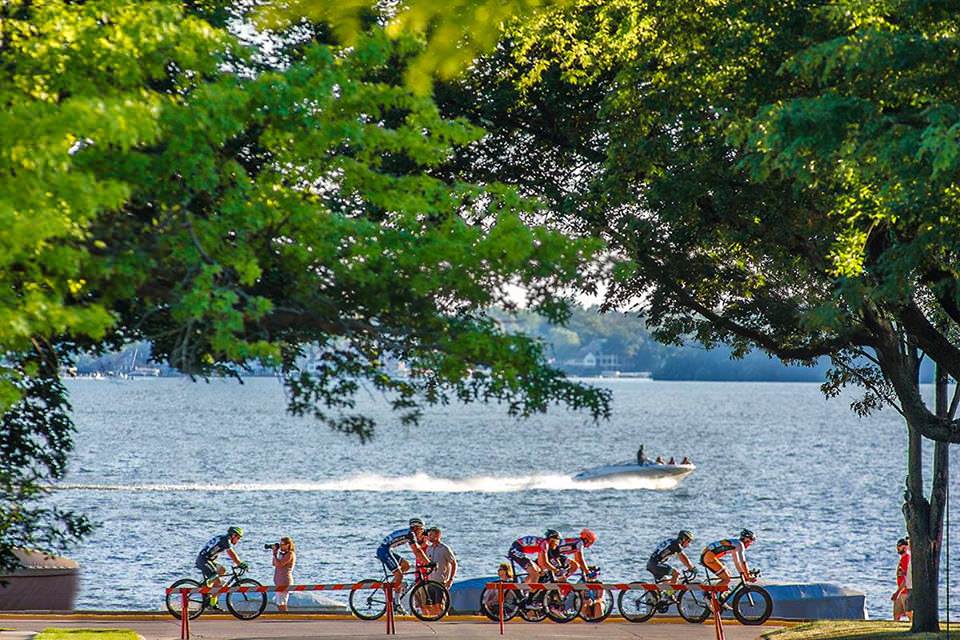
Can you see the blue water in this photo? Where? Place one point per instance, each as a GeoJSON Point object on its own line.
{"type": "Point", "coordinates": [164, 464]}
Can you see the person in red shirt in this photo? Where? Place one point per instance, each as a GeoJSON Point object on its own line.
{"type": "Point", "coordinates": [902, 601]}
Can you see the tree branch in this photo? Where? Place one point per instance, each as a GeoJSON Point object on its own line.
{"type": "Point", "coordinates": [933, 342]}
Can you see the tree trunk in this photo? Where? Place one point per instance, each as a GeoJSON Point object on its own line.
{"type": "Point", "coordinates": [925, 521]}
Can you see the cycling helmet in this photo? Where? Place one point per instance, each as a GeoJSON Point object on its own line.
{"type": "Point", "coordinates": [746, 534]}
{"type": "Point", "coordinates": [551, 533]}
{"type": "Point", "coordinates": [235, 531]}
{"type": "Point", "coordinates": [588, 536]}
{"type": "Point", "coordinates": [685, 535]}
{"type": "Point", "coordinates": [416, 522]}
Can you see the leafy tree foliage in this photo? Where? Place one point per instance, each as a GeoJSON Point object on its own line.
{"type": "Point", "coordinates": [35, 442]}
{"type": "Point", "coordinates": [74, 76]}
{"type": "Point", "coordinates": [455, 31]}
{"type": "Point", "coordinates": [163, 181]}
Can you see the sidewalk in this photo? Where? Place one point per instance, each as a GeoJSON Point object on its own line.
{"type": "Point", "coordinates": [269, 627]}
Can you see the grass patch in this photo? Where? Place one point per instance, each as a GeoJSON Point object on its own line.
{"type": "Point", "coordinates": [856, 630]}
{"type": "Point", "coordinates": [86, 634]}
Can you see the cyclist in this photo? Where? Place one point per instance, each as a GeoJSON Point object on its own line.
{"type": "Point", "coordinates": [657, 563]}
{"type": "Point", "coordinates": [549, 557]}
{"type": "Point", "coordinates": [574, 547]}
{"type": "Point", "coordinates": [207, 558]}
{"type": "Point", "coordinates": [518, 555]}
{"type": "Point", "coordinates": [392, 562]}
{"type": "Point", "coordinates": [713, 552]}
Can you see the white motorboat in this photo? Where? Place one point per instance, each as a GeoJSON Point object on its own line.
{"type": "Point", "coordinates": [652, 470]}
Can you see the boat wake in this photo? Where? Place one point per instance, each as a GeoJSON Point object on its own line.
{"type": "Point", "coordinates": [418, 482]}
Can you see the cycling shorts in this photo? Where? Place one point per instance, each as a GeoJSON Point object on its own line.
{"type": "Point", "coordinates": [660, 570]}
{"type": "Point", "coordinates": [519, 557]}
{"type": "Point", "coordinates": [710, 561]}
{"type": "Point", "coordinates": [208, 567]}
{"type": "Point", "coordinates": [389, 558]}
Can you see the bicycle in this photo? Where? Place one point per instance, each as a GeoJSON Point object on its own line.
{"type": "Point", "coordinates": [596, 603]}
{"type": "Point", "coordinates": [640, 606]}
{"type": "Point", "coordinates": [245, 606]}
{"type": "Point", "coordinates": [532, 606]}
{"type": "Point", "coordinates": [371, 603]}
{"type": "Point", "coordinates": [751, 604]}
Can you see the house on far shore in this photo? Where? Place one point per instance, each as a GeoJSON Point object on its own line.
{"type": "Point", "coordinates": [593, 356]}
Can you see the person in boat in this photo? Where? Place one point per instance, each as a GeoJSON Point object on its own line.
{"type": "Point", "coordinates": [574, 547]}
{"type": "Point", "coordinates": [518, 555]}
{"type": "Point", "coordinates": [685, 460]}
{"type": "Point", "coordinates": [671, 460]}
{"type": "Point", "coordinates": [711, 556]}
{"type": "Point", "coordinates": [659, 460]}
{"type": "Point", "coordinates": [641, 458]}
{"type": "Point", "coordinates": [657, 563]}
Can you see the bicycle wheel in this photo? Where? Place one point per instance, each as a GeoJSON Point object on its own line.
{"type": "Point", "coordinates": [694, 605]}
{"type": "Point", "coordinates": [368, 603]}
{"type": "Point", "coordinates": [638, 605]}
{"type": "Point", "coordinates": [562, 607]}
{"type": "Point", "coordinates": [752, 605]}
{"type": "Point", "coordinates": [429, 600]}
{"type": "Point", "coordinates": [249, 605]}
{"type": "Point", "coordinates": [196, 602]}
{"type": "Point", "coordinates": [491, 608]}
{"type": "Point", "coordinates": [597, 604]}
{"type": "Point", "coordinates": [532, 608]}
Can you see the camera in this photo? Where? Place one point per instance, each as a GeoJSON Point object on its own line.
{"type": "Point", "coordinates": [273, 547]}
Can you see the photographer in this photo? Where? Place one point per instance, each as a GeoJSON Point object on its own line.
{"type": "Point", "coordinates": [284, 557]}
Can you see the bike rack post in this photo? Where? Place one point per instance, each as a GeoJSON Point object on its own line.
{"type": "Point", "coordinates": [500, 603]}
{"type": "Point", "coordinates": [184, 615]}
{"type": "Point", "coordinates": [391, 627]}
{"type": "Point", "coordinates": [717, 620]}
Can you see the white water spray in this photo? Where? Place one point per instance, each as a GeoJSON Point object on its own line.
{"type": "Point", "coordinates": [418, 482]}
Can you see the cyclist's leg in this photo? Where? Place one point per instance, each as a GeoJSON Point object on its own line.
{"type": "Point", "coordinates": [519, 559]}
{"type": "Point", "coordinates": [211, 575]}
{"type": "Point", "coordinates": [391, 564]}
{"type": "Point", "coordinates": [660, 571]}
{"type": "Point", "coordinates": [717, 568]}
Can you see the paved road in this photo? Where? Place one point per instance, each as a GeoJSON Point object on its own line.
{"type": "Point", "coordinates": [269, 627]}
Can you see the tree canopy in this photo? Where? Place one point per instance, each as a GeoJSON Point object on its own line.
{"type": "Point", "coordinates": [771, 174]}
{"type": "Point", "coordinates": [164, 180]}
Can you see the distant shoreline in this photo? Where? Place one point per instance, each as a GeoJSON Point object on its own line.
{"type": "Point", "coordinates": [632, 376]}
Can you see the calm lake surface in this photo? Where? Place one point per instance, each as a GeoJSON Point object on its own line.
{"type": "Point", "coordinates": [164, 464]}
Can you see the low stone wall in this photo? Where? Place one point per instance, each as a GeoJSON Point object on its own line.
{"type": "Point", "coordinates": [43, 583]}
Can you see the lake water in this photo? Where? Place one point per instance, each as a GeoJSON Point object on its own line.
{"type": "Point", "coordinates": [164, 464]}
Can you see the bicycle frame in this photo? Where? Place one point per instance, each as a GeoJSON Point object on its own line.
{"type": "Point", "coordinates": [734, 588]}
{"type": "Point", "coordinates": [235, 574]}
{"type": "Point", "coordinates": [420, 572]}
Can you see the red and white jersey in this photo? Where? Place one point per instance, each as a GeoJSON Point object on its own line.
{"type": "Point", "coordinates": [570, 546]}
{"type": "Point", "coordinates": [530, 544]}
